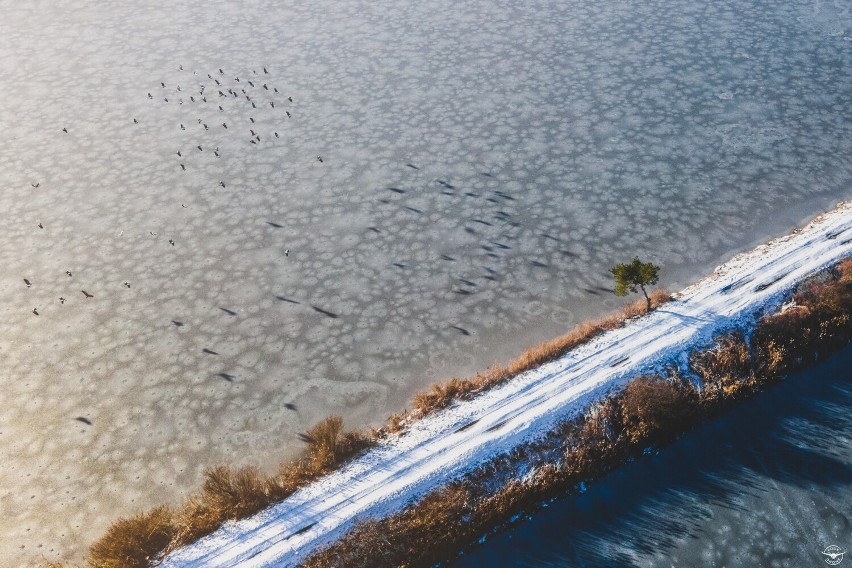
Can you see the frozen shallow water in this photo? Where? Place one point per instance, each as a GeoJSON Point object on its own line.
{"type": "Point", "coordinates": [482, 167]}
{"type": "Point", "coordinates": [766, 485]}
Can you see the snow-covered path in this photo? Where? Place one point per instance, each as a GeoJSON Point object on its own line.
{"type": "Point", "coordinates": [441, 447]}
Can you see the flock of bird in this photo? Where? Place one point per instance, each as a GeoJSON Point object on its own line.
{"type": "Point", "coordinates": [256, 92]}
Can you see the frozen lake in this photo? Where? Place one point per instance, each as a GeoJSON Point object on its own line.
{"type": "Point", "coordinates": [450, 185]}
{"type": "Point", "coordinates": [765, 485]}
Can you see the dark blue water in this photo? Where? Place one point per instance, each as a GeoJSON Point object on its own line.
{"type": "Point", "coordinates": [768, 484]}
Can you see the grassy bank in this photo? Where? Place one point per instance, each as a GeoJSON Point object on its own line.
{"type": "Point", "coordinates": [649, 412]}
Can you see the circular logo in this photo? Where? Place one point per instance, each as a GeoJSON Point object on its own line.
{"type": "Point", "coordinates": [833, 554]}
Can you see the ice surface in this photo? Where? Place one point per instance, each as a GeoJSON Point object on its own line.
{"type": "Point", "coordinates": [482, 166]}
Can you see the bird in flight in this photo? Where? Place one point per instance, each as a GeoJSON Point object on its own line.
{"type": "Point", "coordinates": [87, 294]}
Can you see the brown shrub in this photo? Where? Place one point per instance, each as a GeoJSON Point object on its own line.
{"type": "Point", "coordinates": [655, 410]}
{"type": "Point", "coordinates": [407, 538]}
{"type": "Point", "coordinates": [726, 368]}
{"type": "Point", "coordinates": [322, 441]}
{"type": "Point", "coordinates": [134, 542]}
{"type": "Point", "coordinates": [225, 495]}
{"type": "Point", "coordinates": [844, 271]}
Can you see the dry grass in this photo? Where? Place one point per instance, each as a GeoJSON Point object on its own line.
{"type": "Point", "coordinates": [225, 495]}
{"type": "Point", "coordinates": [653, 410]}
{"type": "Point", "coordinates": [724, 369]}
{"type": "Point", "coordinates": [134, 542]}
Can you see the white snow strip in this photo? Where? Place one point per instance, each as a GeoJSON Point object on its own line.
{"type": "Point", "coordinates": [443, 446]}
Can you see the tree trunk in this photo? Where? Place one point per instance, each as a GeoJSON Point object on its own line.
{"type": "Point", "coordinates": [647, 299]}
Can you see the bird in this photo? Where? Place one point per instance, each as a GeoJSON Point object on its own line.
{"type": "Point", "coordinates": [276, 135]}
{"type": "Point", "coordinates": [153, 233]}
{"type": "Point", "coordinates": [135, 121]}
{"type": "Point", "coordinates": [178, 88]}
{"type": "Point", "coordinates": [288, 113]}
{"type": "Point", "coordinates": [319, 158]}
{"type": "Point", "coordinates": [61, 300]}
{"type": "Point", "coordinates": [251, 119]}
{"type": "Point", "coordinates": [287, 252]}
{"type": "Point", "coordinates": [199, 148]}
{"type": "Point", "coordinates": [253, 133]}
{"type": "Point", "coordinates": [166, 99]}
{"type": "Point", "coordinates": [221, 72]}
{"type": "Point", "coordinates": [272, 104]}
{"type": "Point", "coordinates": [253, 142]}
{"type": "Point", "coordinates": [222, 183]}
{"type": "Point", "coordinates": [205, 127]}
{"type": "Point", "coordinates": [225, 125]}
{"type": "Point", "coordinates": [192, 98]}
{"type": "Point", "coordinates": [171, 242]}
{"type": "Point", "coordinates": [149, 96]}
{"type": "Point", "coordinates": [265, 71]}
{"type": "Point", "coordinates": [40, 226]}
{"type": "Point", "coordinates": [68, 272]}
{"type": "Point", "coordinates": [35, 311]}
{"type": "Point", "coordinates": [182, 167]}
{"type": "Point", "coordinates": [65, 130]}
{"type": "Point", "coordinates": [183, 205]}
{"type": "Point", "coordinates": [221, 109]}
{"type": "Point", "coordinates": [84, 420]}
{"type": "Point", "coordinates": [27, 282]}
{"type": "Point", "coordinates": [275, 89]}
{"type": "Point", "coordinates": [87, 294]}
{"type": "Point", "coordinates": [127, 284]}
{"type": "Point", "coordinates": [163, 84]}
{"type": "Point", "coordinates": [289, 99]}
{"type": "Point", "coordinates": [216, 153]}
{"type": "Point", "coordinates": [265, 87]}
{"type": "Point", "coordinates": [35, 184]}
{"type": "Point", "coordinates": [178, 153]}
{"type": "Point", "coordinates": [253, 105]}
{"type": "Point", "coordinates": [182, 127]}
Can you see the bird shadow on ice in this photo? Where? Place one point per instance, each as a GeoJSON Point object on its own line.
{"type": "Point", "coordinates": [789, 435]}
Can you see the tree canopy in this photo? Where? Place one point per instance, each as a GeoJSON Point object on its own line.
{"type": "Point", "coordinates": [634, 276]}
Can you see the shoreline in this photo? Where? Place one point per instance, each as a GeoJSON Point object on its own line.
{"type": "Point", "coordinates": [729, 274]}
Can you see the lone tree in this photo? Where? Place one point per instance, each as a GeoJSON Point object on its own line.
{"type": "Point", "coordinates": [637, 273]}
